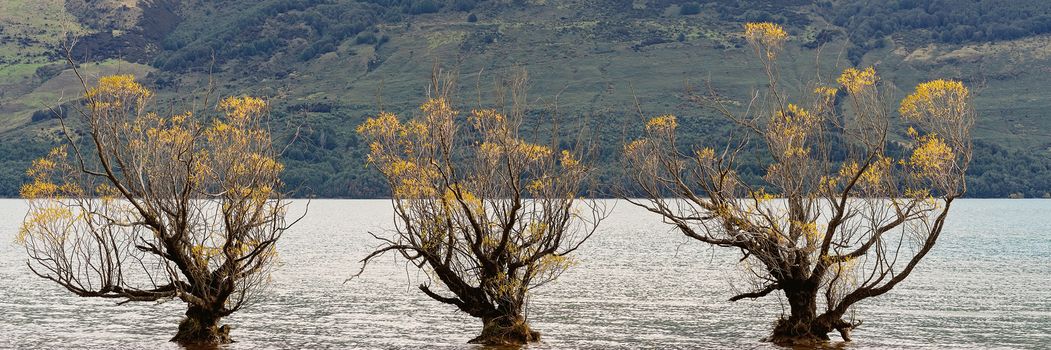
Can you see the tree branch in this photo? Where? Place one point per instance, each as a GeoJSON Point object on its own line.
{"type": "Point", "coordinates": [757, 294]}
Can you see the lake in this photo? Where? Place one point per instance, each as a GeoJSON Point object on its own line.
{"type": "Point", "coordinates": [638, 284]}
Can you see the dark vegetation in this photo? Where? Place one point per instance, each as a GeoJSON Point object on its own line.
{"type": "Point", "coordinates": [120, 32]}
{"type": "Point", "coordinates": [1000, 172]}
{"type": "Point", "coordinates": [16, 155]}
{"type": "Point", "coordinates": [61, 111]}
{"type": "Point", "coordinates": [949, 21]}
{"type": "Point", "coordinates": [273, 39]}
{"type": "Point", "coordinates": [690, 9]}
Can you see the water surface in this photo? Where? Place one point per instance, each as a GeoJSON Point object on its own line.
{"type": "Point", "coordinates": [986, 285]}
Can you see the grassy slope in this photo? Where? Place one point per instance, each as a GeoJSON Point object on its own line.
{"type": "Point", "coordinates": [57, 90]}
{"type": "Point", "coordinates": [30, 30]}
{"type": "Point", "coordinates": [39, 24]}
{"type": "Point", "coordinates": [576, 59]}
{"type": "Point", "coordinates": [35, 32]}
{"type": "Point", "coordinates": [598, 77]}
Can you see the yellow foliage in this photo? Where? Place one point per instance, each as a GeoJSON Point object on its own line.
{"type": "Point", "coordinates": [204, 253]}
{"type": "Point", "coordinates": [795, 114]}
{"type": "Point", "coordinates": [118, 87]}
{"type": "Point", "coordinates": [386, 124]}
{"type": "Point", "coordinates": [449, 198]}
{"type": "Point", "coordinates": [808, 229]}
{"type": "Point", "coordinates": [932, 156]}
{"type": "Point", "coordinates": [414, 129]}
{"type": "Point", "coordinates": [533, 152]}
{"type": "Point", "coordinates": [636, 146]}
{"type": "Point", "coordinates": [106, 192]}
{"type": "Point", "coordinates": [568, 161]}
{"type": "Point", "coordinates": [537, 229]}
{"type": "Point", "coordinates": [259, 194]}
{"type": "Point", "coordinates": [873, 175]}
{"type": "Point", "coordinates": [239, 128]}
{"type": "Point", "coordinates": [553, 262]}
{"type": "Point", "coordinates": [829, 182]}
{"type": "Point", "coordinates": [256, 163]}
{"type": "Point", "coordinates": [242, 109]}
{"type": "Point", "coordinates": [167, 134]}
{"type": "Point", "coordinates": [789, 129]}
{"type": "Point", "coordinates": [848, 169]}
{"type": "Point", "coordinates": [410, 179]}
{"type": "Point", "coordinates": [40, 166]}
{"type": "Point", "coordinates": [826, 91]}
{"type": "Point", "coordinates": [705, 155]}
{"type": "Point", "coordinates": [398, 168]}
{"type": "Point", "coordinates": [843, 271]}
{"type": "Point", "coordinates": [38, 189]}
{"type": "Point", "coordinates": [44, 166]}
{"type": "Point", "coordinates": [41, 170]}
{"type": "Point", "coordinates": [490, 151]}
{"type": "Point", "coordinates": [664, 123]}
{"type": "Point", "coordinates": [812, 232]}
{"type": "Point", "coordinates": [826, 96]}
{"type": "Point", "coordinates": [801, 152]}
{"type": "Point", "coordinates": [932, 96]}
{"type": "Point", "coordinates": [437, 106]}
{"type": "Point", "coordinates": [764, 30]}
{"type": "Point", "coordinates": [50, 223]}
{"type": "Point", "coordinates": [769, 36]}
{"type": "Point", "coordinates": [181, 118]}
{"type": "Point", "coordinates": [856, 80]}
{"type": "Point", "coordinates": [538, 185]}
{"type": "Point", "coordinates": [70, 189]}
{"type": "Point", "coordinates": [414, 187]}
{"type": "Point", "coordinates": [761, 195]}
{"type": "Point", "coordinates": [487, 117]}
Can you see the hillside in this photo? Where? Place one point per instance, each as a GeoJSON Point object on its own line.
{"type": "Point", "coordinates": [329, 64]}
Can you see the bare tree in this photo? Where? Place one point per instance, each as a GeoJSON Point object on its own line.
{"type": "Point", "coordinates": [487, 219]}
{"type": "Point", "coordinates": [850, 223]}
{"type": "Point", "coordinates": [159, 207]}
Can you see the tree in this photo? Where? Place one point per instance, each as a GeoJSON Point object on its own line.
{"type": "Point", "coordinates": [844, 229]}
{"type": "Point", "coordinates": [489, 219]}
{"type": "Point", "coordinates": [159, 207]}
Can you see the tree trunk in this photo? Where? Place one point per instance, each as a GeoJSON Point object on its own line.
{"type": "Point", "coordinates": [511, 329]}
{"type": "Point", "coordinates": [201, 326]}
{"type": "Point", "coordinates": [803, 326]}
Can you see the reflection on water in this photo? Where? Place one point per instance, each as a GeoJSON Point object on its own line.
{"type": "Point", "coordinates": [637, 285]}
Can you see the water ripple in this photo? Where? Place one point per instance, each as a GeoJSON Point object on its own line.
{"type": "Point", "coordinates": [638, 285]}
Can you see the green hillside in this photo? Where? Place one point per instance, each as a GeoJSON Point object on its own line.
{"type": "Point", "coordinates": [329, 64]}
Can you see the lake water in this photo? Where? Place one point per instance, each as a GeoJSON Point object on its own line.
{"type": "Point", "coordinates": [986, 285]}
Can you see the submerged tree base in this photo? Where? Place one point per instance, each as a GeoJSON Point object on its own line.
{"type": "Point", "coordinates": [502, 333]}
{"type": "Point", "coordinates": [201, 328]}
{"type": "Point", "coordinates": [791, 333]}
{"type": "Point", "coordinates": [217, 336]}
